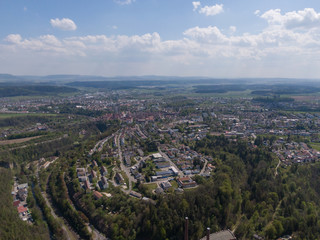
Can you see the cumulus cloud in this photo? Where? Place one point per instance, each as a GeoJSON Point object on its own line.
{"type": "Point", "coordinates": [50, 40]}
{"type": "Point", "coordinates": [208, 10]}
{"type": "Point", "coordinates": [198, 41]}
{"type": "Point", "coordinates": [64, 24]}
{"type": "Point", "coordinates": [124, 2]}
{"type": "Point", "coordinates": [303, 19]}
{"type": "Point", "coordinates": [212, 10]}
{"type": "Point", "coordinates": [196, 5]}
{"type": "Point", "coordinates": [13, 38]}
{"type": "Point", "coordinates": [205, 50]}
{"type": "Point", "coordinates": [207, 34]}
{"type": "Point", "coordinates": [257, 12]}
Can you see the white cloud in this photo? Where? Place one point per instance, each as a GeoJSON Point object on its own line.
{"type": "Point", "coordinates": [257, 12]}
{"type": "Point", "coordinates": [196, 5]}
{"type": "Point", "coordinates": [303, 19]}
{"type": "Point", "coordinates": [279, 49]}
{"type": "Point", "coordinates": [124, 2]}
{"type": "Point", "coordinates": [13, 38]}
{"type": "Point", "coordinates": [50, 40]}
{"type": "Point", "coordinates": [65, 24]}
{"type": "Point", "coordinates": [233, 29]}
{"type": "Point", "coordinates": [114, 27]}
{"type": "Point", "coordinates": [212, 10]}
{"type": "Point", "coordinates": [207, 10]}
{"type": "Point", "coordinates": [208, 34]}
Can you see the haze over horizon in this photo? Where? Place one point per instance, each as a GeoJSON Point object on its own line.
{"type": "Point", "coordinates": [218, 39]}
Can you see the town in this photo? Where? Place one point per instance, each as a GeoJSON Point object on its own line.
{"type": "Point", "coordinates": [156, 147]}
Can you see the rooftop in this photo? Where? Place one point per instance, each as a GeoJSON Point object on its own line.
{"type": "Point", "coordinates": [156, 155]}
{"type": "Point", "coordinates": [22, 209]}
{"type": "Point", "coordinates": [222, 235]}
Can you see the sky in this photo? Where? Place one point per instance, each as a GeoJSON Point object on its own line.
{"type": "Point", "coordinates": [226, 38]}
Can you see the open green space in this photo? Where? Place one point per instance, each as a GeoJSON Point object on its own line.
{"type": "Point", "coordinates": [315, 146]}
{"type": "Point", "coordinates": [10, 115]}
{"type": "Point", "coordinates": [151, 186]}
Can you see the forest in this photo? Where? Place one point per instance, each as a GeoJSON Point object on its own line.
{"type": "Point", "coordinates": [31, 90]}
{"type": "Point", "coordinates": [11, 227]}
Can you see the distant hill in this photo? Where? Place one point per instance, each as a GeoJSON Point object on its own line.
{"type": "Point", "coordinates": [61, 79]}
{"type": "Point", "coordinates": [9, 77]}
{"type": "Point", "coordinates": [27, 90]}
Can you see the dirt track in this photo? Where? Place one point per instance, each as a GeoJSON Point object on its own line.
{"type": "Point", "coordinates": [20, 140]}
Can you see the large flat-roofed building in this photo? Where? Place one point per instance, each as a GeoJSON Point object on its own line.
{"type": "Point", "coordinates": [222, 235]}
{"type": "Point", "coordinates": [156, 155]}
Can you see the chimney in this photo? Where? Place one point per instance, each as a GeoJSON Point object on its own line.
{"type": "Point", "coordinates": [186, 229]}
{"type": "Point", "coordinates": [208, 233]}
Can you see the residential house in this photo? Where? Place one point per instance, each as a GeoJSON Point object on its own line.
{"type": "Point", "coordinates": [104, 183]}
{"type": "Point", "coordinates": [186, 182]}
{"type": "Point", "coordinates": [136, 194]}
{"type": "Point", "coordinates": [119, 179]}
{"type": "Point", "coordinates": [97, 195]}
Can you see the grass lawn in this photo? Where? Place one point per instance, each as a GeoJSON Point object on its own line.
{"type": "Point", "coordinates": [151, 186]}
{"type": "Point", "coordinates": [174, 184]}
{"type": "Point", "coordinates": [315, 146]}
{"type": "Point", "coordinates": [110, 171]}
{"type": "Point", "coordinates": [125, 177]}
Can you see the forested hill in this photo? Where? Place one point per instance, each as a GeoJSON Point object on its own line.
{"type": "Point", "coordinates": [33, 90]}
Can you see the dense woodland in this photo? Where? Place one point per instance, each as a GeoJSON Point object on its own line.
{"type": "Point", "coordinates": [33, 90]}
{"type": "Point", "coordinates": [11, 227]}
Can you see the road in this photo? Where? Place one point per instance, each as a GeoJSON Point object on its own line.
{"type": "Point", "coordinates": [123, 167]}
{"type": "Point", "coordinates": [204, 167]}
{"type": "Point", "coordinates": [99, 145]}
{"type": "Point", "coordinates": [180, 173]}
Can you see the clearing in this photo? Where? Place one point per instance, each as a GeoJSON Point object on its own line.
{"type": "Point", "coordinates": [20, 140]}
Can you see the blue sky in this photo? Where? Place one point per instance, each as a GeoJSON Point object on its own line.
{"type": "Point", "coordinates": [227, 38]}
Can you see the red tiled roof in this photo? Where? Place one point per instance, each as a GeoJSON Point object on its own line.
{"type": "Point", "coordinates": [22, 209]}
{"type": "Point", "coordinates": [98, 195]}
{"type": "Point", "coordinates": [16, 203]}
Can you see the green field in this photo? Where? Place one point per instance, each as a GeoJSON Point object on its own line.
{"type": "Point", "coordinates": [151, 186]}
{"type": "Point", "coordinates": [174, 184]}
{"type": "Point", "coordinates": [315, 146]}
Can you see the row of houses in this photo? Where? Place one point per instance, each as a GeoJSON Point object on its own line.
{"type": "Point", "coordinates": [297, 153]}
{"type": "Point", "coordinates": [20, 194]}
{"type": "Point", "coordinates": [86, 179]}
